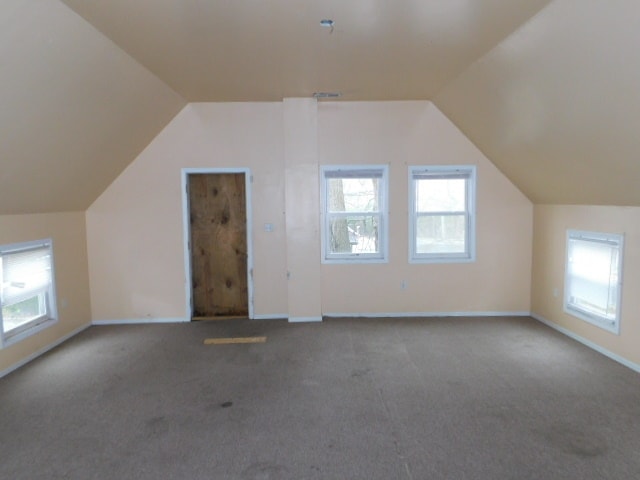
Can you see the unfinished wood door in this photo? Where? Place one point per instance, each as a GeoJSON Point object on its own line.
{"type": "Point", "coordinates": [217, 203]}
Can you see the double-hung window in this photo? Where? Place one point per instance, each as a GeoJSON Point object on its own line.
{"type": "Point", "coordinates": [354, 213]}
{"type": "Point", "coordinates": [27, 297]}
{"type": "Point", "coordinates": [593, 278]}
{"type": "Point", "coordinates": [442, 214]}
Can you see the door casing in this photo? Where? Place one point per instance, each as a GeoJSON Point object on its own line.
{"type": "Point", "coordinates": [186, 213]}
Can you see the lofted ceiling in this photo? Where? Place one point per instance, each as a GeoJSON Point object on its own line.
{"type": "Point", "coordinates": [75, 109]}
{"type": "Point", "coordinates": [545, 88]}
{"type": "Point", "coordinates": [257, 50]}
{"type": "Point", "coordinates": [556, 105]}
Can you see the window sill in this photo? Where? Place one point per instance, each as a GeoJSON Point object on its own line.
{"type": "Point", "coordinates": [420, 260]}
{"type": "Point", "coordinates": [604, 324]}
{"type": "Point", "coordinates": [12, 338]}
{"type": "Point", "coordinates": [353, 260]}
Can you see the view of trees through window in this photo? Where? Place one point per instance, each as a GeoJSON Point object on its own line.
{"type": "Point", "coordinates": [353, 214]}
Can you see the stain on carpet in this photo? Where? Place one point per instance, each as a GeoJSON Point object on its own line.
{"type": "Point", "coordinates": [360, 372]}
{"type": "Point", "coordinates": [579, 441]}
{"type": "Point", "coordinates": [263, 471]}
{"type": "Point", "coordinates": [157, 425]}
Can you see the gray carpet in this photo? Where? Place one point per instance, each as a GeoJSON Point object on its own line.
{"type": "Point", "coordinates": [456, 398]}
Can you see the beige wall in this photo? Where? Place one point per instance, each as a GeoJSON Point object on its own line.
{"type": "Point", "coordinates": [135, 230]}
{"type": "Point", "coordinates": [549, 246]}
{"type": "Point", "coordinates": [76, 108]}
{"type": "Point", "coordinates": [72, 283]}
{"type": "Point", "coordinates": [417, 133]}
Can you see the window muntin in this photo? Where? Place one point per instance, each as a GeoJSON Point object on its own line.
{"type": "Point", "coordinates": [442, 220]}
{"type": "Point", "coordinates": [27, 299]}
{"type": "Point", "coordinates": [593, 279]}
{"type": "Point", "coordinates": [354, 218]}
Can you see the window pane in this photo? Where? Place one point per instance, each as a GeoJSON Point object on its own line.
{"type": "Point", "coordinates": [441, 234]}
{"type": "Point", "coordinates": [441, 195]}
{"type": "Point", "coordinates": [353, 194]}
{"type": "Point", "coordinates": [25, 274]}
{"type": "Point", "coordinates": [27, 297]}
{"type": "Point", "coordinates": [23, 312]}
{"type": "Point", "coordinates": [354, 234]}
{"type": "Point", "coordinates": [593, 277]}
{"type": "Point", "coordinates": [354, 229]}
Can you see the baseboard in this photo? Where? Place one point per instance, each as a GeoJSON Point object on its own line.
{"type": "Point", "coordinates": [136, 321]}
{"type": "Point", "coordinates": [588, 343]}
{"type": "Point", "coordinates": [304, 319]}
{"type": "Point", "coordinates": [42, 351]}
{"type": "Point", "coordinates": [268, 316]}
{"type": "Point", "coordinates": [427, 314]}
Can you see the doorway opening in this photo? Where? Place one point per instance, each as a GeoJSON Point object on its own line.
{"type": "Point", "coordinates": [218, 253]}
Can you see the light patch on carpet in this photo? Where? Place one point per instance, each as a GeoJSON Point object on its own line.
{"type": "Point", "coordinates": [230, 341]}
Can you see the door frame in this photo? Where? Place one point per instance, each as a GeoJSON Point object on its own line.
{"type": "Point", "coordinates": [186, 224]}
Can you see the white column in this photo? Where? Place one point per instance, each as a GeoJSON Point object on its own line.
{"type": "Point", "coordinates": [302, 203]}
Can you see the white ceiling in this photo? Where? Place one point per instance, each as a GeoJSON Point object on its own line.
{"type": "Point", "coordinates": [546, 88]}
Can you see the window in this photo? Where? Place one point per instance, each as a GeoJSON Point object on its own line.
{"type": "Point", "coordinates": [593, 278]}
{"type": "Point", "coordinates": [26, 289]}
{"type": "Point", "coordinates": [354, 207]}
{"type": "Point", "coordinates": [442, 214]}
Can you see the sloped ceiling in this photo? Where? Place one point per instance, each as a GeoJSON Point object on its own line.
{"type": "Point", "coordinates": [556, 106]}
{"type": "Point", "coordinates": [75, 109]}
{"type": "Point", "coordinates": [224, 50]}
{"type": "Point", "coordinates": [546, 88]}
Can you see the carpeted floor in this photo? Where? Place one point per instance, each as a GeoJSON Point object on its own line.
{"type": "Point", "coordinates": [454, 398]}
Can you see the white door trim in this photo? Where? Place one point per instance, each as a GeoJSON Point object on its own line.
{"type": "Point", "coordinates": [187, 231]}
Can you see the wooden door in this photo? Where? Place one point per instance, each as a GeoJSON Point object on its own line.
{"type": "Point", "coordinates": [218, 216]}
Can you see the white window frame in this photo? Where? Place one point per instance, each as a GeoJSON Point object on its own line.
{"type": "Point", "coordinates": [49, 296]}
{"type": "Point", "coordinates": [609, 324]}
{"type": "Point", "coordinates": [383, 230]}
{"type": "Point", "coordinates": [444, 171]}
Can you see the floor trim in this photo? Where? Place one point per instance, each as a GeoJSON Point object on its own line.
{"type": "Point", "coordinates": [588, 343]}
{"type": "Point", "coordinates": [271, 316]}
{"type": "Point", "coordinates": [304, 319]}
{"type": "Point", "coordinates": [136, 321]}
{"type": "Point", "coordinates": [427, 314]}
{"type": "Point", "coordinates": [42, 351]}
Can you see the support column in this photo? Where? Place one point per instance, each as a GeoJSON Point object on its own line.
{"type": "Point", "coordinates": [302, 203]}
